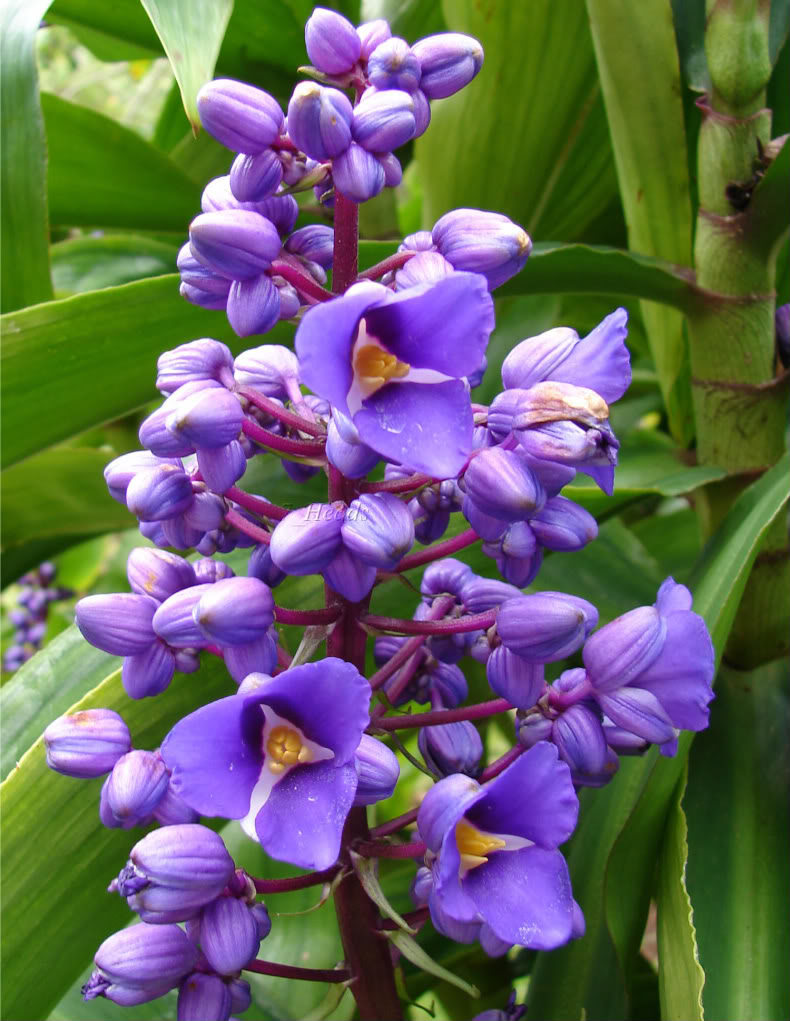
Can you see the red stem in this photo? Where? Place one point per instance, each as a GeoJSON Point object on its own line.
{"type": "Point", "coordinates": [344, 266]}
{"type": "Point", "coordinates": [281, 444]}
{"type": "Point", "coordinates": [455, 626]}
{"type": "Point", "coordinates": [280, 413]}
{"type": "Point", "coordinates": [306, 618]}
{"type": "Point", "coordinates": [407, 485]}
{"type": "Point", "coordinates": [391, 262]}
{"type": "Point", "coordinates": [303, 282]}
{"type": "Point", "coordinates": [256, 504]}
{"type": "Point", "coordinates": [437, 716]}
{"type": "Point", "coordinates": [441, 549]}
{"type": "Point", "coordinates": [501, 764]}
{"type": "Point", "coordinates": [393, 825]}
{"type": "Point", "coordinates": [437, 611]}
{"type": "Point", "coordinates": [373, 849]}
{"type": "Point", "coordinates": [306, 974]}
{"type": "Point", "coordinates": [267, 886]}
{"type": "Point", "coordinates": [254, 531]}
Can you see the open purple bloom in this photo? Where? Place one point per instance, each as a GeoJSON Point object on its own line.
{"type": "Point", "coordinates": [281, 759]}
{"type": "Point", "coordinates": [492, 851]}
{"type": "Point", "coordinates": [394, 363]}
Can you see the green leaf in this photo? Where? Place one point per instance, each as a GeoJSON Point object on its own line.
{"type": "Point", "coordinates": [737, 874]}
{"type": "Point", "coordinates": [23, 174]}
{"type": "Point", "coordinates": [367, 871]}
{"type": "Point", "coordinates": [689, 20]}
{"type": "Point", "coordinates": [680, 976]}
{"type": "Point", "coordinates": [552, 139]}
{"type": "Point", "coordinates": [720, 575]}
{"type": "Point", "coordinates": [191, 32]}
{"type": "Point", "coordinates": [103, 174]}
{"type": "Point", "coordinates": [89, 264]}
{"type": "Point", "coordinates": [105, 345]}
{"type": "Point", "coordinates": [413, 952]}
{"type": "Point", "coordinates": [642, 90]}
{"type": "Point", "coordinates": [51, 829]}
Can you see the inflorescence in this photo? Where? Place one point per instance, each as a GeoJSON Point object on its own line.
{"type": "Point", "coordinates": [381, 373]}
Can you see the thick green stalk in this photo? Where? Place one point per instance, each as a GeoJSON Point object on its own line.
{"type": "Point", "coordinates": [739, 404]}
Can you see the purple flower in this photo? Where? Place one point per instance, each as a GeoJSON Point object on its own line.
{"type": "Point", "coordinates": [394, 364]}
{"type": "Point", "coordinates": [332, 42]}
{"type": "Point", "coordinates": [448, 62]}
{"type": "Point", "coordinates": [281, 759]}
{"type": "Point", "coordinates": [493, 855]}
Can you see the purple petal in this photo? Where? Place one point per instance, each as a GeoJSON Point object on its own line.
{"type": "Point", "coordinates": [640, 712]}
{"type": "Point", "coordinates": [443, 806]}
{"type": "Point", "coordinates": [215, 757]}
{"type": "Point", "coordinates": [533, 798]}
{"type": "Point", "coordinates": [525, 897]}
{"type": "Point", "coordinates": [672, 597]}
{"type": "Point", "coordinates": [302, 820]}
{"type": "Point", "coordinates": [427, 426]}
{"type": "Point", "coordinates": [349, 576]}
{"type": "Point", "coordinates": [600, 361]}
{"type": "Point", "coordinates": [444, 327]}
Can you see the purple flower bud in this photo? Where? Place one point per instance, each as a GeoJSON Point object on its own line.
{"type": "Point", "coordinates": [422, 112]}
{"type": "Point", "coordinates": [206, 512]}
{"type": "Point", "coordinates": [223, 467]}
{"type": "Point", "coordinates": [532, 727]}
{"type": "Point", "coordinates": [187, 660]}
{"type": "Point", "coordinates": [314, 242]}
{"type": "Point", "coordinates": [282, 210]}
{"type": "Point", "coordinates": [203, 998]}
{"type": "Point", "coordinates": [86, 744]}
{"type": "Point", "coordinates": [157, 573]}
{"type": "Point", "coordinates": [383, 121]}
{"type": "Point", "coordinates": [173, 811]}
{"type": "Point", "coordinates": [187, 857]}
{"type": "Point", "coordinates": [207, 571]}
{"type": "Point", "coordinates": [307, 539]}
{"type": "Point", "coordinates": [142, 957]}
{"type": "Point", "coordinates": [136, 785]}
{"type": "Point", "coordinates": [623, 741]}
{"type": "Point", "coordinates": [290, 302]}
{"type": "Point", "coordinates": [155, 533]}
{"type": "Point", "coordinates": [500, 484]}
{"type": "Point", "coordinates": [447, 575]}
{"type": "Point", "coordinates": [259, 656]}
{"type": "Point", "coordinates": [120, 624]}
{"type": "Point", "coordinates": [177, 533]}
{"type": "Point", "coordinates": [358, 174]}
{"type": "Point", "coordinates": [515, 678]}
{"type": "Point", "coordinates": [517, 554]}
{"type": "Point", "coordinates": [624, 648]}
{"type": "Point", "coordinates": [563, 525]}
{"type": "Point", "coordinates": [319, 120]}
{"type": "Point", "coordinates": [159, 493]}
{"type": "Point", "coordinates": [217, 195]}
{"type": "Point", "coordinates": [148, 672]}
{"type": "Point", "coordinates": [448, 61]}
{"type": "Point", "coordinates": [424, 268]}
{"type": "Point", "coordinates": [451, 748]}
{"type": "Point", "coordinates": [255, 178]}
{"type": "Point", "coordinates": [546, 626]}
{"type": "Point", "coordinates": [393, 171]}
{"type": "Point", "coordinates": [354, 460]}
{"type": "Point", "coordinates": [240, 116]}
{"type": "Point", "coordinates": [378, 529]}
{"type": "Point", "coordinates": [204, 299]}
{"type": "Point", "coordinates": [262, 566]}
{"type": "Point", "coordinates": [235, 611]}
{"type": "Point", "coordinates": [333, 45]}
{"type": "Point", "coordinates": [393, 65]}
{"type": "Point", "coordinates": [420, 241]}
{"type": "Point", "coordinates": [271, 368]}
{"type": "Point", "coordinates": [377, 771]}
{"type": "Point", "coordinates": [372, 34]}
{"type": "Point", "coordinates": [236, 243]}
{"type": "Point", "coordinates": [253, 305]}
{"type": "Point", "coordinates": [482, 242]}
{"type": "Point", "coordinates": [120, 471]}
{"type": "Point", "coordinates": [228, 935]}
{"type": "Point", "coordinates": [581, 742]}
{"type": "Point", "coordinates": [199, 359]}
{"type": "Point", "coordinates": [349, 576]}
{"type": "Point", "coordinates": [197, 276]}
{"type": "Point", "coordinates": [173, 620]}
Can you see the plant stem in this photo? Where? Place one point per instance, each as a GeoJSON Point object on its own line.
{"type": "Point", "coordinates": [438, 716]}
{"type": "Point", "coordinates": [304, 974]}
{"type": "Point", "coordinates": [456, 626]}
{"type": "Point", "coordinates": [256, 504]}
{"type": "Point", "coordinates": [281, 444]}
{"type": "Point", "coordinates": [344, 267]}
{"type": "Point", "coordinates": [374, 849]}
{"type": "Point", "coordinates": [268, 886]}
{"type": "Point", "coordinates": [386, 265]}
{"type": "Point", "coordinates": [306, 618]}
{"type": "Point", "coordinates": [303, 282]}
{"type": "Point", "coordinates": [254, 531]}
{"type": "Point", "coordinates": [442, 549]}
{"type": "Point", "coordinates": [280, 413]}
{"type": "Point", "coordinates": [407, 485]}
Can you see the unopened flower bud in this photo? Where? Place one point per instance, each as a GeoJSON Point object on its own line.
{"type": "Point", "coordinates": [446, 575]}
{"type": "Point", "coordinates": [172, 810]}
{"type": "Point", "coordinates": [86, 744]}
{"type": "Point", "coordinates": [314, 242]}
{"type": "Point", "coordinates": [383, 121]}
{"type": "Point", "coordinates": [197, 276]}
{"type": "Point", "coordinates": [479, 594]}
{"type": "Point", "coordinates": [546, 626]}
{"type": "Point", "coordinates": [377, 770]}
{"type": "Point", "coordinates": [259, 656]}
{"type": "Point", "coordinates": [378, 529]}
{"type": "Point", "coordinates": [319, 120]}
{"type": "Point", "coordinates": [424, 268]}
{"type": "Point", "coordinates": [157, 573]}
{"type": "Point", "coordinates": [121, 470]}
{"type": "Point", "coordinates": [333, 45]}
{"type": "Point", "coordinates": [563, 525]}
{"type": "Point", "coordinates": [515, 678]}
{"type": "Point", "coordinates": [240, 116]}
{"type": "Point", "coordinates": [451, 748]}
{"type": "Point", "coordinates": [358, 174]}
{"type": "Point", "coordinates": [149, 672]}
{"type": "Point", "coordinates": [229, 935]}
{"type": "Point", "coordinates": [222, 467]}
{"type": "Point", "coordinates": [136, 785]}
{"type": "Point", "coordinates": [354, 460]}
{"type": "Point", "coordinates": [120, 624]}
{"type": "Point", "coordinates": [159, 493]}
{"type": "Point", "coordinates": [271, 369]}
{"type": "Point", "coordinates": [372, 34]}
{"type": "Point", "coordinates": [142, 959]}
{"type": "Point", "coordinates": [203, 997]}
{"type": "Point", "coordinates": [393, 65]}
{"type": "Point", "coordinates": [236, 243]}
{"type": "Point", "coordinates": [501, 485]}
{"type": "Point", "coordinates": [235, 611]}
{"type": "Point", "coordinates": [253, 305]}
{"type": "Point", "coordinates": [624, 648]}
{"type": "Point", "coordinates": [281, 210]}
{"type": "Point", "coordinates": [349, 576]}
{"type": "Point", "coordinates": [198, 359]}
{"type": "Point", "coordinates": [580, 740]}
{"type": "Point", "coordinates": [262, 566]}
{"type": "Point", "coordinates": [482, 242]}
{"type": "Point", "coordinates": [448, 62]}
{"type": "Point", "coordinates": [173, 620]}
{"type": "Point", "coordinates": [188, 857]}
{"type": "Point", "coordinates": [307, 539]}
{"type": "Point", "coordinates": [255, 178]}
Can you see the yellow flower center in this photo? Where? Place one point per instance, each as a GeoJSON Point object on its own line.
{"type": "Point", "coordinates": [284, 748]}
{"type": "Point", "coordinates": [474, 846]}
{"type": "Point", "coordinates": [373, 367]}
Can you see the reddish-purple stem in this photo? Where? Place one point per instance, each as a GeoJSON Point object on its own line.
{"type": "Point", "coordinates": [245, 525]}
{"type": "Point", "coordinates": [303, 282]}
{"type": "Point", "coordinates": [373, 849]}
{"type": "Point", "coordinates": [407, 485]}
{"type": "Point", "coordinates": [267, 886]}
{"type": "Point", "coordinates": [306, 618]}
{"type": "Point", "coordinates": [415, 919]}
{"type": "Point", "coordinates": [437, 716]}
{"type": "Point", "coordinates": [256, 504]}
{"type": "Point", "coordinates": [386, 265]}
{"type": "Point", "coordinates": [437, 611]}
{"type": "Point", "coordinates": [279, 412]}
{"type": "Point", "coordinates": [344, 266]}
{"type": "Point", "coordinates": [441, 549]}
{"type": "Point", "coordinates": [500, 765]}
{"type": "Point", "coordinates": [306, 974]}
{"type": "Point", "coordinates": [281, 444]}
{"type": "Point", "coordinates": [454, 626]}
{"type": "Point", "coordinates": [393, 825]}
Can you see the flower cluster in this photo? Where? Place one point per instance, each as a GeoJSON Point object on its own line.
{"type": "Point", "coordinates": [29, 617]}
{"type": "Point", "coordinates": [377, 395]}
